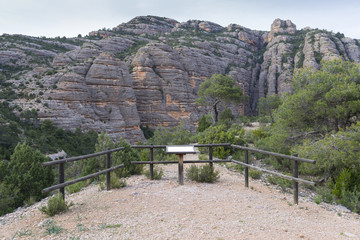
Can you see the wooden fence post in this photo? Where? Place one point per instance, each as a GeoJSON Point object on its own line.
{"type": "Point", "coordinates": [151, 164]}
{"type": "Point", "coordinates": [211, 156]}
{"type": "Point", "coordinates": [181, 169]}
{"type": "Point", "coordinates": [247, 169]}
{"type": "Point", "coordinates": [108, 176]}
{"type": "Point", "coordinates": [62, 178]}
{"type": "Point", "coordinates": [295, 183]}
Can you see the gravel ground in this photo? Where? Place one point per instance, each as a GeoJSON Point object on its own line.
{"type": "Point", "coordinates": [163, 209]}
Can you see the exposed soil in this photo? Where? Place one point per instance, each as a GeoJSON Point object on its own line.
{"type": "Point", "coordinates": [163, 209]}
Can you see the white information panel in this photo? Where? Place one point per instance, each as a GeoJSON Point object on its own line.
{"type": "Point", "coordinates": [180, 149]}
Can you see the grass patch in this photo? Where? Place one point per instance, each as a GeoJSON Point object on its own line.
{"type": "Point", "coordinates": [103, 226]}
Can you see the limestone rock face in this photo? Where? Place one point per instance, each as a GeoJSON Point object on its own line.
{"type": "Point", "coordinates": [97, 95]}
{"type": "Point", "coordinates": [280, 27]}
{"type": "Point", "coordinates": [148, 71]}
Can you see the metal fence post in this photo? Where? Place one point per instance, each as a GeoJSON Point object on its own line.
{"type": "Point", "coordinates": [62, 178]}
{"type": "Point", "coordinates": [151, 164]}
{"type": "Point", "coordinates": [295, 183]}
{"type": "Point", "coordinates": [108, 176]}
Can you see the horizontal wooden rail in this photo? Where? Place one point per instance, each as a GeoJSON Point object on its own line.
{"type": "Point", "coordinates": [175, 162]}
{"type": "Point", "coordinates": [72, 159]}
{"type": "Point", "coordinates": [61, 185]}
{"type": "Point", "coordinates": [148, 146]}
{"type": "Point", "coordinates": [274, 154]}
{"type": "Point", "coordinates": [195, 145]}
{"type": "Point", "coordinates": [275, 173]}
{"type": "Point", "coordinates": [213, 145]}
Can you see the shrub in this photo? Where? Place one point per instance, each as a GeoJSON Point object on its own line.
{"type": "Point", "coordinates": [76, 187]}
{"type": "Point", "coordinates": [28, 174]}
{"type": "Point", "coordinates": [55, 205]}
{"type": "Point", "coordinates": [226, 117]}
{"type": "Point", "coordinates": [325, 194]}
{"type": "Point", "coordinates": [205, 173]}
{"type": "Point", "coordinates": [147, 131]}
{"type": "Point", "coordinates": [158, 173]}
{"type": "Point", "coordinates": [7, 198]}
{"type": "Point", "coordinates": [115, 182]}
{"type": "Point", "coordinates": [351, 200]}
{"type": "Point", "coordinates": [221, 134]}
{"type": "Point", "coordinates": [282, 182]}
{"type": "Point", "coordinates": [204, 122]}
{"type": "Point", "coordinates": [255, 174]}
{"type": "Point", "coordinates": [236, 167]}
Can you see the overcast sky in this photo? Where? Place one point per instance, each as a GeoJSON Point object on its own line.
{"type": "Point", "coordinates": [69, 18]}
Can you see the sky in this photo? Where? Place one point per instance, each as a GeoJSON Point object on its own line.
{"type": "Point", "coordinates": [52, 18]}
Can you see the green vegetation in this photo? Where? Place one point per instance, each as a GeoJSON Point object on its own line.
{"type": "Point", "coordinates": [255, 174]}
{"type": "Point", "coordinates": [204, 173]}
{"type": "Point", "coordinates": [115, 182]}
{"type": "Point", "coordinates": [126, 156]}
{"type": "Point", "coordinates": [267, 105]}
{"type": "Point", "coordinates": [51, 228]}
{"type": "Point", "coordinates": [222, 134]}
{"type": "Point", "coordinates": [219, 89]}
{"type": "Point", "coordinates": [320, 121]}
{"type": "Point", "coordinates": [131, 50]}
{"type": "Point", "coordinates": [55, 205]}
{"type": "Point", "coordinates": [27, 175]}
{"type": "Point", "coordinates": [158, 173]}
{"type": "Point", "coordinates": [204, 122]}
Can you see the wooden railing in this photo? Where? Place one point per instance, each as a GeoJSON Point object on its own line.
{"type": "Point", "coordinates": [295, 178]}
{"type": "Point", "coordinates": [62, 184]}
{"type": "Point", "coordinates": [61, 163]}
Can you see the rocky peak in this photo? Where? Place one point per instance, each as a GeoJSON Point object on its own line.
{"type": "Point", "coordinates": [147, 25]}
{"type": "Point", "coordinates": [281, 27]}
{"type": "Point", "coordinates": [196, 24]}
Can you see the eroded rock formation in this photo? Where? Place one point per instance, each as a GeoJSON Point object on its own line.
{"type": "Point", "coordinates": [148, 71]}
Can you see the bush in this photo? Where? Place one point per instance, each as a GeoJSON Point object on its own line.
{"type": "Point", "coordinates": [226, 117]}
{"type": "Point", "coordinates": [205, 173]}
{"type": "Point", "coordinates": [324, 194]}
{"type": "Point", "coordinates": [55, 205]}
{"type": "Point", "coordinates": [115, 182]}
{"type": "Point", "coordinates": [221, 134]}
{"type": "Point", "coordinates": [351, 200]}
{"type": "Point", "coordinates": [147, 131]}
{"type": "Point", "coordinates": [255, 174]}
{"type": "Point", "coordinates": [7, 198]}
{"type": "Point", "coordinates": [204, 122]}
{"type": "Point", "coordinates": [28, 174]}
{"type": "Point", "coordinates": [158, 173]}
{"type": "Point", "coordinates": [125, 156]}
{"type": "Point", "coordinates": [76, 187]}
{"type": "Point", "coordinates": [236, 167]}
{"type": "Point", "coordinates": [282, 182]}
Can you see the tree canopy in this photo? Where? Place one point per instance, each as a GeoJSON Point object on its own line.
{"type": "Point", "coordinates": [219, 89]}
{"type": "Point", "coordinates": [323, 101]}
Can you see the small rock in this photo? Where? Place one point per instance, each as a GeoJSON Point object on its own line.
{"type": "Point", "coordinates": [349, 235]}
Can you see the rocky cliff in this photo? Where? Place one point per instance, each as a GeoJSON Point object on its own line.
{"type": "Point", "coordinates": [147, 71]}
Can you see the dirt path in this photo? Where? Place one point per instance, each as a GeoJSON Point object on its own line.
{"type": "Point", "coordinates": [164, 210]}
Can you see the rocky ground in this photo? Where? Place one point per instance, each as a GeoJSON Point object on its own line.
{"type": "Point", "coordinates": [163, 209]}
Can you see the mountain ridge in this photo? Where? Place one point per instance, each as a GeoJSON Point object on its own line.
{"type": "Point", "coordinates": [147, 71]}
